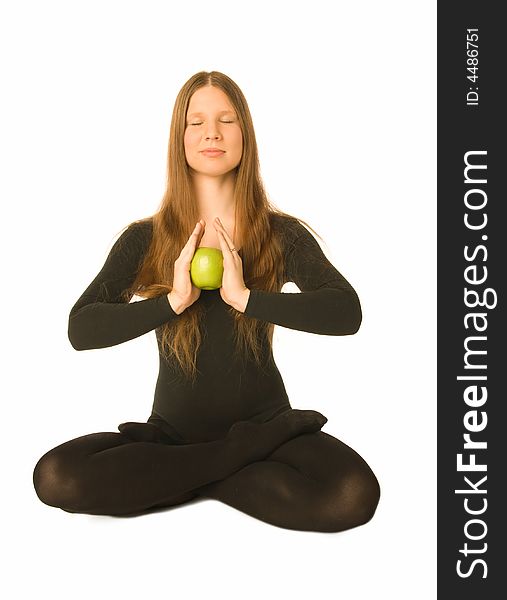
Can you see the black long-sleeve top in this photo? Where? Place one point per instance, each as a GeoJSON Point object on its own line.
{"type": "Point", "coordinates": [227, 388]}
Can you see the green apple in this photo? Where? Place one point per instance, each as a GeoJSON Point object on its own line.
{"type": "Point", "coordinates": [207, 268]}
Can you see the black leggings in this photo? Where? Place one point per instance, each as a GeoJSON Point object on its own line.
{"type": "Point", "coordinates": [285, 472]}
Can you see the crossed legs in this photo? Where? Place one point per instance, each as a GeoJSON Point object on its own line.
{"type": "Point", "coordinates": [285, 472]}
{"type": "Point", "coordinates": [312, 482]}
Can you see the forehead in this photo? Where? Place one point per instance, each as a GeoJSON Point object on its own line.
{"type": "Point", "coordinates": [203, 114]}
{"type": "Point", "coordinates": [209, 99]}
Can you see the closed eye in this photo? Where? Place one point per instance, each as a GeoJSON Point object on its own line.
{"type": "Point", "coordinates": [220, 121]}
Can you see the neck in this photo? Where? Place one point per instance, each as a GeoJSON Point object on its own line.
{"type": "Point", "coordinates": [214, 195]}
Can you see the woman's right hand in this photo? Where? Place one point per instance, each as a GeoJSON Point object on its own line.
{"type": "Point", "coordinates": [184, 292]}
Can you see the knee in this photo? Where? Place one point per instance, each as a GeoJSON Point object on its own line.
{"type": "Point", "coordinates": [365, 496]}
{"type": "Point", "coordinates": [52, 482]}
{"type": "Point", "coordinates": [352, 503]}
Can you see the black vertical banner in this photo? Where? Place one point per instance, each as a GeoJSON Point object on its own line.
{"type": "Point", "coordinates": [472, 251]}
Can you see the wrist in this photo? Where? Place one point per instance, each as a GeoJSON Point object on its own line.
{"type": "Point", "coordinates": [175, 303]}
{"type": "Point", "coordinates": [241, 303]}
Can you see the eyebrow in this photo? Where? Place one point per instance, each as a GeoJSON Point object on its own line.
{"type": "Point", "coordinates": [200, 114]}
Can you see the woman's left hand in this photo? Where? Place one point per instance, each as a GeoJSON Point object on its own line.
{"type": "Point", "coordinates": [233, 290]}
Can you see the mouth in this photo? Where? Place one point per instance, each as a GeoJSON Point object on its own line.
{"type": "Point", "coordinates": [213, 152]}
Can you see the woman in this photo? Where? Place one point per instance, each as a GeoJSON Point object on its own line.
{"type": "Point", "coordinates": [221, 424]}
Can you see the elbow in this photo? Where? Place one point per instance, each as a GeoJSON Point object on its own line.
{"type": "Point", "coordinates": [76, 339]}
{"type": "Point", "coordinates": [350, 312]}
{"type": "Point", "coordinates": [356, 323]}
{"type": "Point", "coordinates": [356, 313]}
{"type": "Point", "coordinates": [74, 342]}
{"type": "Point", "coordinates": [75, 345]}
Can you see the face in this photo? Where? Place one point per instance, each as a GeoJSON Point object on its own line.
{"type": "Point", "coordinates": [212, 121]}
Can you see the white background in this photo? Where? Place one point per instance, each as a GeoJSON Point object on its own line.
{"type": "Point", "coordinates": [343, 97]}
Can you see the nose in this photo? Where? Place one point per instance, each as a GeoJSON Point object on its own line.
{"type": "Point", "coordinates": [211, 130]}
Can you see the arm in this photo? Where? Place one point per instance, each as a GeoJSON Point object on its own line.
{"type": "Point", "coordinates": [101, 317]}
{"type": "Point", "coordinates": [327, 304]}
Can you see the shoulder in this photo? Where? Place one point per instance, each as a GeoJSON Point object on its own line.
{"type": "Point", "coordinates": [289, 229]}
{"type": "Point", "coordinates": [136, 236]}
{"type": "Point", "coordinates": [142, 228]}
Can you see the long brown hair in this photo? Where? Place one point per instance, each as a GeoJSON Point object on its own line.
{"type": "Point", "coordinates": [261, 249]}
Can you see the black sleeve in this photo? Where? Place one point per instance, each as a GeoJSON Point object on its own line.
{"type": "Point", "coordinates": [327, 304]}
{"type": "Point", "coordinates": [101, 317]}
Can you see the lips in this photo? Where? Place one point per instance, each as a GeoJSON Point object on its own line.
{"type": "Point", "coordinates": [213, 149]}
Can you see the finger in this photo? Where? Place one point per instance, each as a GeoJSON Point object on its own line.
{"type": "Point", "coordinates": [200, 232]}
{"type": "Point", "coordinates": [188, 249]}
{"type": "Point", "coordinates": [194, 236]}
{"type": "Point", "coordinates": [223, 244]}
{"type": "Point", "coordinates": [195, 232]}
{"type": "Point", "coordinates": [221, 228]}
